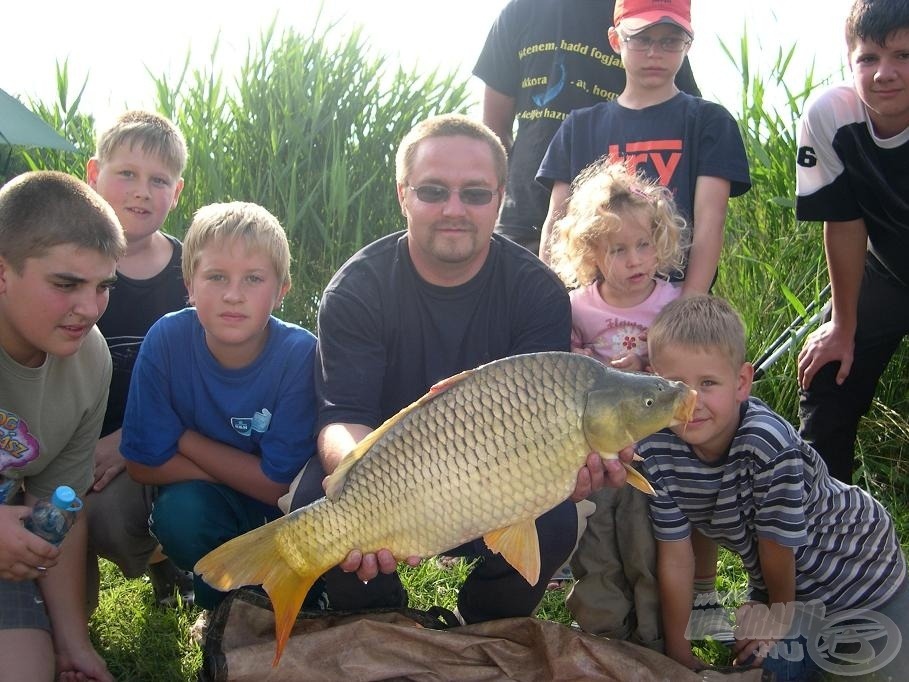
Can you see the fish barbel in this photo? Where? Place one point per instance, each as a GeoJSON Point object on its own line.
{"type": "Point", "coordinates": [482, 454]}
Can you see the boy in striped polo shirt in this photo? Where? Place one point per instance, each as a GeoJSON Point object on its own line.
{"type": "Point", "coordinates": [741, 476]}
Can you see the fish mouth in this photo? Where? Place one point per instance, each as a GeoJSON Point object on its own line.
{"type": "Point", "coordinates": [684, 410]}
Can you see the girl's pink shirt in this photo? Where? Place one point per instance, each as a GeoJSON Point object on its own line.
{"type": "Point", "coordinates": [611, 332]}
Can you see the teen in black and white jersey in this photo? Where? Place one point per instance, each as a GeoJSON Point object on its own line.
{"type": "Point", "coordinates": [853, 174]}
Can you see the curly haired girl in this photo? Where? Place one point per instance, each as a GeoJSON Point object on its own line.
{"type": "Point", "coordinates": [617, 244]}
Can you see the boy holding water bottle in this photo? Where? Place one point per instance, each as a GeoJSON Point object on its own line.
{"type": "Point", "coordinates": [59, 245]}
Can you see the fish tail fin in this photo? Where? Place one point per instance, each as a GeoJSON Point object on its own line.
{"type": "Point", "coordinates": [253, 559]}
{"type": "Point", "coordinates": [245, 560]}
{"type": "Point", "coordinates": [287, 590]}
{"type": "Point", "coordinates": [637, 480]}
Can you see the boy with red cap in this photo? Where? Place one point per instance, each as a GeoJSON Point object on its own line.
{"type": "Point", "coordinates": [694, 148]}
{"type": "Point", "coordinates": [686, 143]}
{"type": "Point", "coordinates": [542, 60]}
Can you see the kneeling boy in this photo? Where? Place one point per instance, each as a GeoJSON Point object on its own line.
{"type": "Point", "coordinates": [221, 407]}
{"type": "Point", "coordinates": [741, 476]}
{"type": "Point", "coordinates": [59, 245]}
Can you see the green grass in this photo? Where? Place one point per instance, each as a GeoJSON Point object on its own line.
{"type": "Point", "coordinates": [140, 642]}
{"type": "Point", "coordinates": [144, 643]}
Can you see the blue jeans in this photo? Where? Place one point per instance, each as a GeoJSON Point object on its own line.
{"type": "Point", "coordinates": [815, 656]}
{"type": "Point", "coordinates": [191, 518]}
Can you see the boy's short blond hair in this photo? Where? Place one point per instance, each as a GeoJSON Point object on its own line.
{"type": "Point", "coordinates": [155, 135]}
{"type": "Point", "coordinates": [222, 224]}
{"type": "Point", "coordinates": [43, 209]}
{"type": "Point", "coordinates": [449, 125]}
{"type": "Point", "coordinates": [600, 195]}
{"type": "Point", "coordinates": [701, 322]}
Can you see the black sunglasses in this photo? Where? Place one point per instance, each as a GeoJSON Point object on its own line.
{"type": "Point", "coordinates": [436, 194]}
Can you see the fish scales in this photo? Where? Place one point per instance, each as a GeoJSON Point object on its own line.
{"type": "Point", "coordinates": [486, 451]}
{"type": "Point", "coordinates": [426, 475]}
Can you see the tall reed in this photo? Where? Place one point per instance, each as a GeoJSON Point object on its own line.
{"type": "Point", "coordinates": [308, 128]}
{"type": "Point", "coordinates": [62, 115]}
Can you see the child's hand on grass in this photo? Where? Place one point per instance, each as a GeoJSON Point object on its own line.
{"type": "Point", "coordinates": [756, 632]}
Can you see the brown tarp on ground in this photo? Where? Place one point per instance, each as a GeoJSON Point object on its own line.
{"type": "Point", "coordinates": [391, 646]}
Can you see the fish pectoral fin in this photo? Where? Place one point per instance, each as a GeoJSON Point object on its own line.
{"type": "Point", "coordinates": [334, 484]}
{"type": "Point", "coordinates": [519, 545]}
{"type": "Point", "coordinates": [637, 480]}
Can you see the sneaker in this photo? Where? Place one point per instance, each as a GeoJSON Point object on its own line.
{"type": "Point", "coordinates": [200, 628]}
{"type": "Point", "coordinates": [562, 577]}
{"type": "Point", "coordinates": [447, 563]}
{"type": "Point", "coordinates": [168, 581]}
{"type": "Point", "coordinates": [711, 621]}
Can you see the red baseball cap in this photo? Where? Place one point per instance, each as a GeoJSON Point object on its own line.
{"type": "Point", "coordinates": [636, 15]}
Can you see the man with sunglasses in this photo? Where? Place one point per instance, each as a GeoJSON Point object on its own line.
{"type": "Point", "coordinates": [686, 143]}
{"type": "Point", "coordinates": [418, 306]}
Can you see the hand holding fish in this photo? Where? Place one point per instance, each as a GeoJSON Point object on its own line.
{"type": "Point", "coordinates": [598, 473]}
{"type": "Point", "coordinates": [368, 566]}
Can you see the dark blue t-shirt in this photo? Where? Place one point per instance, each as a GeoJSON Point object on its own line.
{"type": "Point", "coordinates": [386, 335]}
{"type": "Point", "coordinates": [674, 142]}
{"type": "Point", "coordinates": [551, 56]}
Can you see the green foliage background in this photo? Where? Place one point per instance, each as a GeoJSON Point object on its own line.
{"type": "Point", "coordinates": [309, 127]}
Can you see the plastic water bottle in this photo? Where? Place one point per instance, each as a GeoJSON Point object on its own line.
{"type": "Point", "coordinates": [8, 488]}
{"type": "Point", "coordinates": [51, 519]}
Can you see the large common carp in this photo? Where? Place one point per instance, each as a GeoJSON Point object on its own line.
{"type": "Point", "coordinates": [482, 454]}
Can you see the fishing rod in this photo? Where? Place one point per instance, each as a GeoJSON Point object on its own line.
{"type": "Point", "coordinates": [814, 311]}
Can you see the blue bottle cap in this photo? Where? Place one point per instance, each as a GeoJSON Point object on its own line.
{"type": "Point", "coordinates": [64, 497]}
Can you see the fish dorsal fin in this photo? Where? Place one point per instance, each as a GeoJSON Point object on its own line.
{"type": "Point", "coordinates": [444, 385]}
{"type": "Point", "coordinates": [519, 546]}
{"type": "Point", "coordinates": [334, 484]}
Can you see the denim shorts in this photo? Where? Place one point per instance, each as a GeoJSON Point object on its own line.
{"type": "Point", "coordinates": [22, 606]}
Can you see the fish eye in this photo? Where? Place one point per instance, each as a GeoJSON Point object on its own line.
{"type": "Point", "coordinates": [648, 402]}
